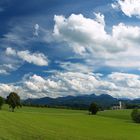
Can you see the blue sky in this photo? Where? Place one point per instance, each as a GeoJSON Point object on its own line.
{"type": "Point", "coordinates": [58, 48]}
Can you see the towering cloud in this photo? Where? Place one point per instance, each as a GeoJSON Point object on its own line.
{"type": "Point", "coordinates": [89, 39]}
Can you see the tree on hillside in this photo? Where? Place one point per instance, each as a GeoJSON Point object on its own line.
{"type": "Point", "coordinates": [93, 108]}
{"type": "Point", "coordinates": [13, 100]}
{"type": "Point", "coordinates": [1, 102]}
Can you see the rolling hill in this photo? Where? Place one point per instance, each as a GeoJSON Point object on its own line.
{"type": "Point", "coordinates": [34, 123]}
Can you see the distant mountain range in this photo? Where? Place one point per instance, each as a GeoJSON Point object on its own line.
{"type": "Point", "coordinates": [81, 102]}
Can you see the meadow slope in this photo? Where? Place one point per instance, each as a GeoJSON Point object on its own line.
{"type": "Point", "coordinates": [59, 124]}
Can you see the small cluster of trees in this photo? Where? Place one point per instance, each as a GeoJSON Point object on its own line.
{"type": "Point", "coordinates": [13, 100]}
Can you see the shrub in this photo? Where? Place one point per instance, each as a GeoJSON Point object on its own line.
{"type": "Point", "coordinates": [135, 115]}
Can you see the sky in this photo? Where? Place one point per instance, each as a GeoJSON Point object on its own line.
{"type": "Point", "coordinates": [55, 48]}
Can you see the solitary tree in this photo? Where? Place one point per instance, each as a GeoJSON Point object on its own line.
{"type": "Point", "coordinates": [1, 102]}
{"type": "Point", "coordinates": [93, 108]}
{"type": "Point", "coordinates": [13, 100]}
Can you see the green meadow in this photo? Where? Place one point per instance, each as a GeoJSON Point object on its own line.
{"type": "Point", "coordinates": [30, 123]}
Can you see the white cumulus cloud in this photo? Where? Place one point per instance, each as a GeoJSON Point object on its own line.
{"type": "Point", "coordinates": [129, 7]}
{"type": "Point", "coordinates": [34, 58]}
{"type": "Point", "coordinates": [119, 85]}
{"type": "Point", "coordinates": [90, 40]}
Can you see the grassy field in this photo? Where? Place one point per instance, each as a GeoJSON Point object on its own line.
{"type": "Point", "coordinates": [60, 124]}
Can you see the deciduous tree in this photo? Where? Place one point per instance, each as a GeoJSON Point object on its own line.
{"type": "Point", "coordinates": [93, 108]}
{"type": "Point", "coordinates": [13, 100]}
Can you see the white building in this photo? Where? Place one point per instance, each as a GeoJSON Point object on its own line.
{"type": "Point", "coordinates": [118, 106]}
